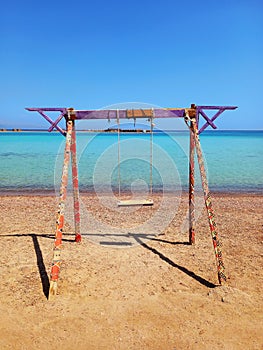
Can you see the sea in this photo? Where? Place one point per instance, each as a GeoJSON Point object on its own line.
{"type": "Point", "coordinates": [31, 162]}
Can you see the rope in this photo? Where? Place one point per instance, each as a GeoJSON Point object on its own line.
{"type": "Point", "coordinates": [151, 153]}
{"type": "Point", "coordinates": [119, 153]}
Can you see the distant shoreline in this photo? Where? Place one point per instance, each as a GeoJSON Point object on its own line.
{"type": "Point", "coordinates": [19, 130]}
{"type": "Point", "coordinates": [140, 131]}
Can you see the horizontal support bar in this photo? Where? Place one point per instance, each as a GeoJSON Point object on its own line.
{"type": "Point", "coordinates": [132, 113]}
{"type": "Point", "coordinates": [47, 109]}
{"type": "Point", "coordinates": [129, 113]}
{"type": "Point", "coordinates": [216, 107]}
{"type": "Point", "coordinates": [123, 113]}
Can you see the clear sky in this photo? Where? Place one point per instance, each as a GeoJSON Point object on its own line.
{"type": "Point", "coordinates": [169, 53]}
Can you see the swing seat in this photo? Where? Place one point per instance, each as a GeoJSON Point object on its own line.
{"type": "Point", "coordinates": [134, 202]}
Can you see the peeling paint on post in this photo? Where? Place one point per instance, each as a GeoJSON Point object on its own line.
{"type": "Point", "coordinates": [56, 263]}
{"type": "Point", "coordinates": [208, 203]}
{"type": "Point", "coordinates": [75, 182]}
{"type": "Point", "coordinates": [191, 187]}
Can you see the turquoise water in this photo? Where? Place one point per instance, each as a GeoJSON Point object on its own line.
{"type": "Point", "coordinates": [33, 161]}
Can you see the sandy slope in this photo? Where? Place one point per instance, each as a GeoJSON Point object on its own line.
{"type": "Point", "coordinates": [131, 291]}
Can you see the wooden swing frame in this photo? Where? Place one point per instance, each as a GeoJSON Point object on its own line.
{"type": "Point", "coordinates": [191, 117]}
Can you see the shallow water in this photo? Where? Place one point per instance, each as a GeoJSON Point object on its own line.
{"type": "Point", "coordinates": [32, 161]}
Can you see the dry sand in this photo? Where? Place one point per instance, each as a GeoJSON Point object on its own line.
{"type": "Point", "coordinates": [160, 294]}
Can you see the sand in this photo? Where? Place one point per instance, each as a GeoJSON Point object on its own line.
{"type": "Point", "coordinates": [128, 291]}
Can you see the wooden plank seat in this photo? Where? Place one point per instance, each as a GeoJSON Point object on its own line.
{"type": "Point", "coordinates": [134, 202]}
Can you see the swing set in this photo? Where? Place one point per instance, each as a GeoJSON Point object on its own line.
{"type": "Point", "coordinates": [191, 116]}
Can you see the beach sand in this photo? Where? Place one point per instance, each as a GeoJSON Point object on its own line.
{"type": "Point", "coordinates": [127, 291]}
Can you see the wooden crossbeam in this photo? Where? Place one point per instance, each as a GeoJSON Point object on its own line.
{"type": "Point", "coordinates": [139, 113]}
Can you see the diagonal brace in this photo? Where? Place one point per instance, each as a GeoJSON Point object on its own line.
{"type": "Point", "coordinates": [52, 122]}
{"type": "Point", "coordinates": [55, 123]}
{"type": "Point", "coordinates": [209, 121]}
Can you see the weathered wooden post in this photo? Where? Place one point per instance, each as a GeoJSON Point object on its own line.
{"type": "Point", "coordinates": [208, 203]}
{"type": "Point", "coordinates": [55, 269]}
{"type": "Point", "coordinates": [75, 181]}
{"type": "Point", "coordinates": [191, 184]}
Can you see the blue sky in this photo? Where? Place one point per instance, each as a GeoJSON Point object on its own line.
{"type": "Point", "coordinates": [89, 55]}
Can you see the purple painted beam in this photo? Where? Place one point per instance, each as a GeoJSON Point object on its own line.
{"type": "Point", "coordinates": [216, 107]}
{"type": "Point", "coordinates": [112, 114]}
{"type": "Point", "coordinates": [48, 109]}
{"type": "Point", "coordinates": [123, 114]}
{"type": "Point", "coordinates": [132, 113]}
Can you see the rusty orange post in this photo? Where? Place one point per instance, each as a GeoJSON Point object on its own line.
{"type": "Point", "coordinates": [75, 182]}
{"type": "Point", "coordinates": [191, 186]}
{"type": "Point", "coordinates": [55, 269]}
{"type": "Point", "coordinates": [208, 203]}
